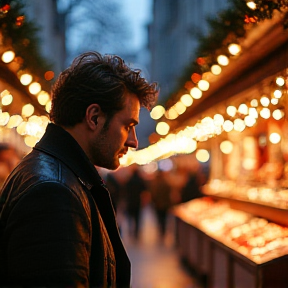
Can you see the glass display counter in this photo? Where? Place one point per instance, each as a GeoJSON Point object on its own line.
{"type": "Point", "coordinates": [233, 247]}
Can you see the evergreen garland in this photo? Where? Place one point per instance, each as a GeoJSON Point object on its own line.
{"type": "Point", "coordinates": [20, 35]}
{"type": "Point", "coordinates": [228, 27]}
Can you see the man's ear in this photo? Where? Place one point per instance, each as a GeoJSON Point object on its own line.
{"type": "Point", "coordinates": [93, 112]}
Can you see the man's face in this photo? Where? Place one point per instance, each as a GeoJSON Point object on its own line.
{"type": "Point", "coordinates": [113, 141]}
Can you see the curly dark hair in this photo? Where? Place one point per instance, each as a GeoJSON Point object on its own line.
{"type": "Point", "coordinates": [95, 78]}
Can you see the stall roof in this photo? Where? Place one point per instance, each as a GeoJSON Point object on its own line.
{"type": "Point", "coordinates": [264, 54]}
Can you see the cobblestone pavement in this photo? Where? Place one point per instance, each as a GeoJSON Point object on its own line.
{"type": "Point", "coordinates": [155, 262]}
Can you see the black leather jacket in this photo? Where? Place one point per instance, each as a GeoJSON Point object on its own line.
{"type": "Point", "coordinates": [57, 224]}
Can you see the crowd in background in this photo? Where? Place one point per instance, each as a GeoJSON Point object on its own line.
{"type": "Point", "coordinates": [133, 189]}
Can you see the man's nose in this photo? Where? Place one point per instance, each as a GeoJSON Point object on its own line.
{"type": "Point", "coordinates": [132, 140]}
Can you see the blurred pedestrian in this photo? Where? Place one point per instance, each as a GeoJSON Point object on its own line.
{"type": "Point", "coordinates": [191, 189]}
{"type": "Point", "coordinates": [57, 223]}
{"type": "Point", "coordinates": [136, 190]}
{"type": "Point", "coordinates": [161, 199]}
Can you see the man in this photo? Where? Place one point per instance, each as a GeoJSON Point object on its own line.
{"type": "Point", "coordinates": [58, 226]}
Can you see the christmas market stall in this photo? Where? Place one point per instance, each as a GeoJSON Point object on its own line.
{"type": "Point", "coordinates": [24, 80]}
{"type": "Point", "coordinates": [232, 110]}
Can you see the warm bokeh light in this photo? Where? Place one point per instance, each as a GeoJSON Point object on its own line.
{"type": "Point", "coordinates": [34, 88]}
{"type": "Point", "coordinates": [251, 5]}
{"type": "Point", "coordinates": [180, 107]}
{"type": "Point", "coordinates": [239, 125]}
{"type": "Point", "coordinates": [222, 60]}
{"type": "Point", "coordinates": [218, 120]}
{"type": "Point", "coordinates": [8, 56]}
{"type": "Point", "coordinates": [157, 112]}
{"type": "Point", "coordinates": [274, 138]}
{"type": "Point", "coordinates": [277, 93]}
{"type": "Point", "coordinates": [228, 126]}
{"type": "Point", "coordinates": [203, 85]}
{"type": "Point", "coordinates": [27, 110]}
{"type": "Point", "coordinates": [216, 69]}
{"type": "Point", "coordinates": [162, 128]}
{"type": "Point", "coordinates": [30, 141]}
{"type": "Point", "coordinates": [21, 129]}
{"type": "Point", "coordinates": [253, 112]}
{"type": "Point", "coordinates": [226, 147]}
{"type": "Point", "coordinates": [280, 81]}
{"type": "Point", "coordinates": [187, 100]}
{"type": "Point", "coordinates": [231, 111]}
{"type": "Point", "coordinates": [4, 118]}
{"type": "Point", "coordinates": [265, 101]}
{"type": "Point", "coordinates": [234, 49]}
{"type": "Point", "coordinates": [277, 114]}
{"type": "Point", "coordinates": [171, 113]}
{"type": "Point", "coordinates": [243, 109]}
{"type": "Point", "coordinates": [265, 113]}
{"type": "Point", "coordinates": [196, 93]}
{"type": "Point", "coordinates": [249, 163]}
{"type": "Point", "coordinates": [254, 103]}
{"type": "Point", "coordinates": [49, 75]}
{"type": "Point", "coordinates": [14, 121]}
{"type": "Point", "coordinates": [7, 100]}
{"type": "Point", "coordinates": [249, 121]}
{"type": "Point", "coordinates": [202, 155]}
{"type": "Point", "coordinates": [48, 106]}
{"type": "Point", "coordinates": [26, 79]}
{"type": "Point", "coordinates": [43, 97]}
{"type": "Point", "coordinates": [195, 77]}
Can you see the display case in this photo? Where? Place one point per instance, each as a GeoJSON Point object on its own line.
{"type": "Point", "coordinates": [232, 247]}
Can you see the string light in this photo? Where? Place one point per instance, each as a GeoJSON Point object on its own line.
{"type": "Point", "coordinates": [265, 113]}
{"type": "Point", "coordinates": [187, 100]}
{"type": "Point", "coordinates": [277, 93]}
{"type": "Point", "coordinates": [243, 109]}
{"type": "Point", "coordinates": [274, 138]}
{"type": "Point", "coordinates": [162, 128]}
{"type": "Point", "coordinates": [43, 97]}
{"type": "Point", "coordinates": [202, 155]}
{"type": "Point", "coordinates": [280, 81]}
{"type": "Point", "coordinates": [222, 60]}
{"type": "Point", "coordinates": [251, 5]}
{"type": "Point", "coordinates": [26, 79]}
{"type": "Point", "coordinates": [157, 112]}
{"type": "Point", "coordinates": [196, 93]}
{"type": "Point", "coordinates": [27, 110]}
{"type": "Point", "coordinates": [231, 111]}
{"type": "Point", "coordinates": [171, 114]}
{"type": "Point", "coordinates": [203, 85]}
{"type": "Point", "coordinates": [226, 147]}
{"type": "Point", "coordinates": [34, 88]}
{"type": "Point", "coordinates": [8, 56]}
{"type": "Point", "coordinates": [180, 107]}
{"type": "Point", "coordinates": [234, 49]}
{"type": "Point", "coordinates": [264, 100]}
{"type": "Point", "coordinates": [216, 69]}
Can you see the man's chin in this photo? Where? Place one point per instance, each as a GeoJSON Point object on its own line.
{"type": "Point", "coordinates": [115, 165]}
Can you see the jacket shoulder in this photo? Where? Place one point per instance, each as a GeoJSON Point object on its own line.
{"type": "Point", "coordinates": [38, 168]}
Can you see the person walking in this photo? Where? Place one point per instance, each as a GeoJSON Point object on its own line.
{"type": "Point", "coordinates": [57, 223]}
{"type": "Point", "coordinates": [135, 191]}
{"type": "Point", "coordinates": [161, 200]}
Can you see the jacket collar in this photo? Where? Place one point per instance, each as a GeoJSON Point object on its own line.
{"type": "Point", "coordinates": [60, 144]}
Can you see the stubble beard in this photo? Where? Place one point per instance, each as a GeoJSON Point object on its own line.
{"type": "Point", "coordinates": [103, 154]}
